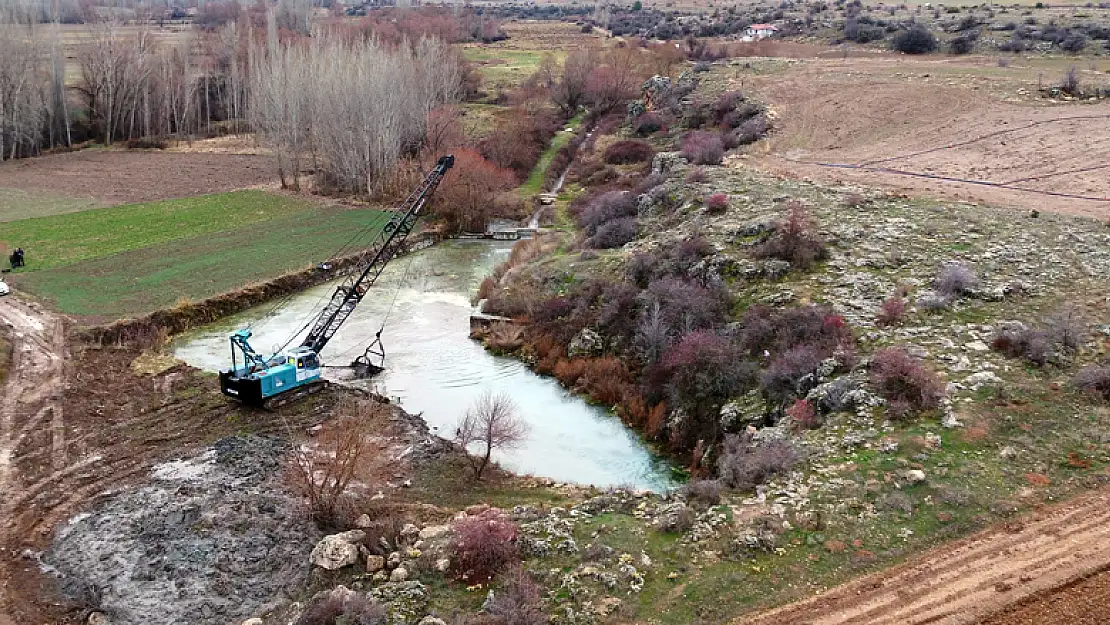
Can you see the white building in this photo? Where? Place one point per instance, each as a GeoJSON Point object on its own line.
{"type": "Point", "coordinates": [756, 32]}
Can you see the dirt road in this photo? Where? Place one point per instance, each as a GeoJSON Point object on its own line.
{"type": "Point", "coordinates": [972, 580]}
{"type": "Point", "coordinates": [30, 402]}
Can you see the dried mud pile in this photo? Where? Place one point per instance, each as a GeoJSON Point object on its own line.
{"type": "Point", "coordinates": [212, 539]}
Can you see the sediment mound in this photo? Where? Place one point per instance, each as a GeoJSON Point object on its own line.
{"type": "Point", "coordinates": [212, 539]}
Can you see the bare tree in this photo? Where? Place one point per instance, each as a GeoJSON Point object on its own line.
{"type": "Point", "coordinates": [323, 472]}
{"type": "Point", "coordinates": [569, 90]}
{"type": "Point", "coordinates": [491, 423]}
{"type": "Point", "coordinates": [355, 107]}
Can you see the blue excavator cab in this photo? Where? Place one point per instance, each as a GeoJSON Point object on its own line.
{"type": "Point", "coordinates": [258, 380]}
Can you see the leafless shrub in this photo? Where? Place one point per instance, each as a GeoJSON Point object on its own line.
{"type": "Point", "coordinates": [1026, 342]}
{"type": "Point", "coordinates": [1094, 379]}
{"type": "Point", "coordinates": [519, 601]}
{"type": "Point", "coordinates": [1067, 328]}
{"type": "Point", "coordinates": [892, 312]}
{"type": "Point", "coordinates": [955, 279]}
{"type": "Point", "coordinates": [337, 608]}
{"type": "Point", "coordinates": [1070, 82]}
{"type": "Point", "coordinates": [795, 239]}
{"type": "Point", "coordinates": [322, 472]}
{"type": "Point", "coordinates": [695, 175]}
{"type": "Point", "coordinates": [744, 466]}
{"type": "Point", "coordinates": [491, 423]}
{"type": "Point", "coordinates": [933, 302]}
{"type": "Point", "coordinates": [905, 382]}
{"type": "Point", "coordinates": [483, 546]}
{"type": "Point", "coordinates": [704, 492]}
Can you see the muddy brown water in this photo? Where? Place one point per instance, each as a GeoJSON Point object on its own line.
{"type": "Point", "coordinates": [434, 368]}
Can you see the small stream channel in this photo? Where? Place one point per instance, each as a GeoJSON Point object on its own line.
{"type": "Point", "coordinates": [434, 368]}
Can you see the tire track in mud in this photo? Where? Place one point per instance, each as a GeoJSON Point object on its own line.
{"type": "Point", "coordinates": [972, 579]}
{"type": "Point", "coordinates": [33, 389]}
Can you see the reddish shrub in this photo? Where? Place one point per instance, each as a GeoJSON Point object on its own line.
{"type": "Point", "coordinates": [702, 371]}
{"type": "Point", "coordinates": [716, 204]}
{"type": "Point", "coordinates": [892, 312]}
{"type": "Point", "coordinates": [905, 382]}
{"type": "Point", "coordinates": [656, 419]}
{"type": "Point", "coordinates": [628, 152]}
{"type": "Point", "coordinates": [335, 608]}
{"type": "Point", "coordinates": [685, 304]}
{"type": "Point", "coordinates": [648, 123]}
{"type": "Point", "coordinates": [727, 103]}
{"type": "Point", "coordinates": [605, 380]}
{"type": "Point", "coordinates": [795, 240]}
{"type": "Point", "coordinates": [483, 546]}
{"type": "Point", "coordinates": [744, 466]}
{"type": "Point", "coordinates": [803, 414]}
{"type": "Point", "coordinates": [780, 380]}
{"type": "Point", "coordinates": [1095, 380]}
{"type": "Point", "coordinates": [465, 200]}
{"type": "Point", "coordinates": [766, 329]}
{"type": "Point", "coordinates": [569, 371]}
{"type": "Point", "coordinates": [703, 148]}
{"type": "Point", "coordinates": [1025, 342]}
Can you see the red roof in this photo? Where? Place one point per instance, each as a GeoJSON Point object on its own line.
{"type": "Point", "coordinates": [763, 27]}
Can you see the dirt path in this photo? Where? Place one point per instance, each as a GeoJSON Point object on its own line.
{"type": "Point", "coordinates": [970, 580]}
{"type": "Point", "coordinates": [30, 401]}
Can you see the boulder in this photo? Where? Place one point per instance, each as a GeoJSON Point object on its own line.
{"type": "Point", "coordinates": [363, 521]}
{"type": "Point", "coordinates": [338, 550]}
{"type": "Point", "coordinates": [409, 533]}
{"type": "Point", "coordinates": [431, 620]}
{"type": "Point", "coordinates": [394, 559]}
{"type": "Point", "coordinates": [434, 531]}
{"type": "Point", "coordinates": [252, 621]}
{"type": "Point", "coordinates": [374, 563]}
{"type": "Point", "coordinates": [586, 343]}
{"type": "Point", "coordinates": [399, 574]}
{"type": "Point", "coordinates": [98, 618]}
{"type": "Point", "coordinates": [915, 476]}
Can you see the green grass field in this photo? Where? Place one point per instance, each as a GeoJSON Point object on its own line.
{"type": "Point", "coordinates": [128, 260]}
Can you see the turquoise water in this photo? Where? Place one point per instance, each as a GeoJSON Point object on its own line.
{"type": "Point", "coordinates": [435, 369]}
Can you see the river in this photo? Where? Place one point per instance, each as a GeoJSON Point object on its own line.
{"type": "Point", "coordinates": [434, 368]}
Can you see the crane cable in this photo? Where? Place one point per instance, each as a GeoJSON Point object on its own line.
{"type": "Point", "coordinates": [389, 310]}
{"type": "Point", "coordinates": [374, 224]}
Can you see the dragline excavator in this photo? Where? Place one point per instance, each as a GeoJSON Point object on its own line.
{"type": "Point", "coordinates": [258, 380]}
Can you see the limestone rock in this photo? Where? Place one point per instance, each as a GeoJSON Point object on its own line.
{"type": "Point", "coordinates": [363, 521]}
{"type": "Point", "coordinates": [915, 476]}
{"type": "Point", "coordinates": [399, 574]}
{"type": "Point", "coordinates": [431, 620]}
{"type": "Point", "coordinates": [338, 550]}
{"type": "Point", "coordinates": [374, 563]}
{"type": "Point", "coordinates": [434, 531]}
{"type": "Point", "coordinates": [98, 618]}
{"type": "Point", "coordinates": [586, 343]}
